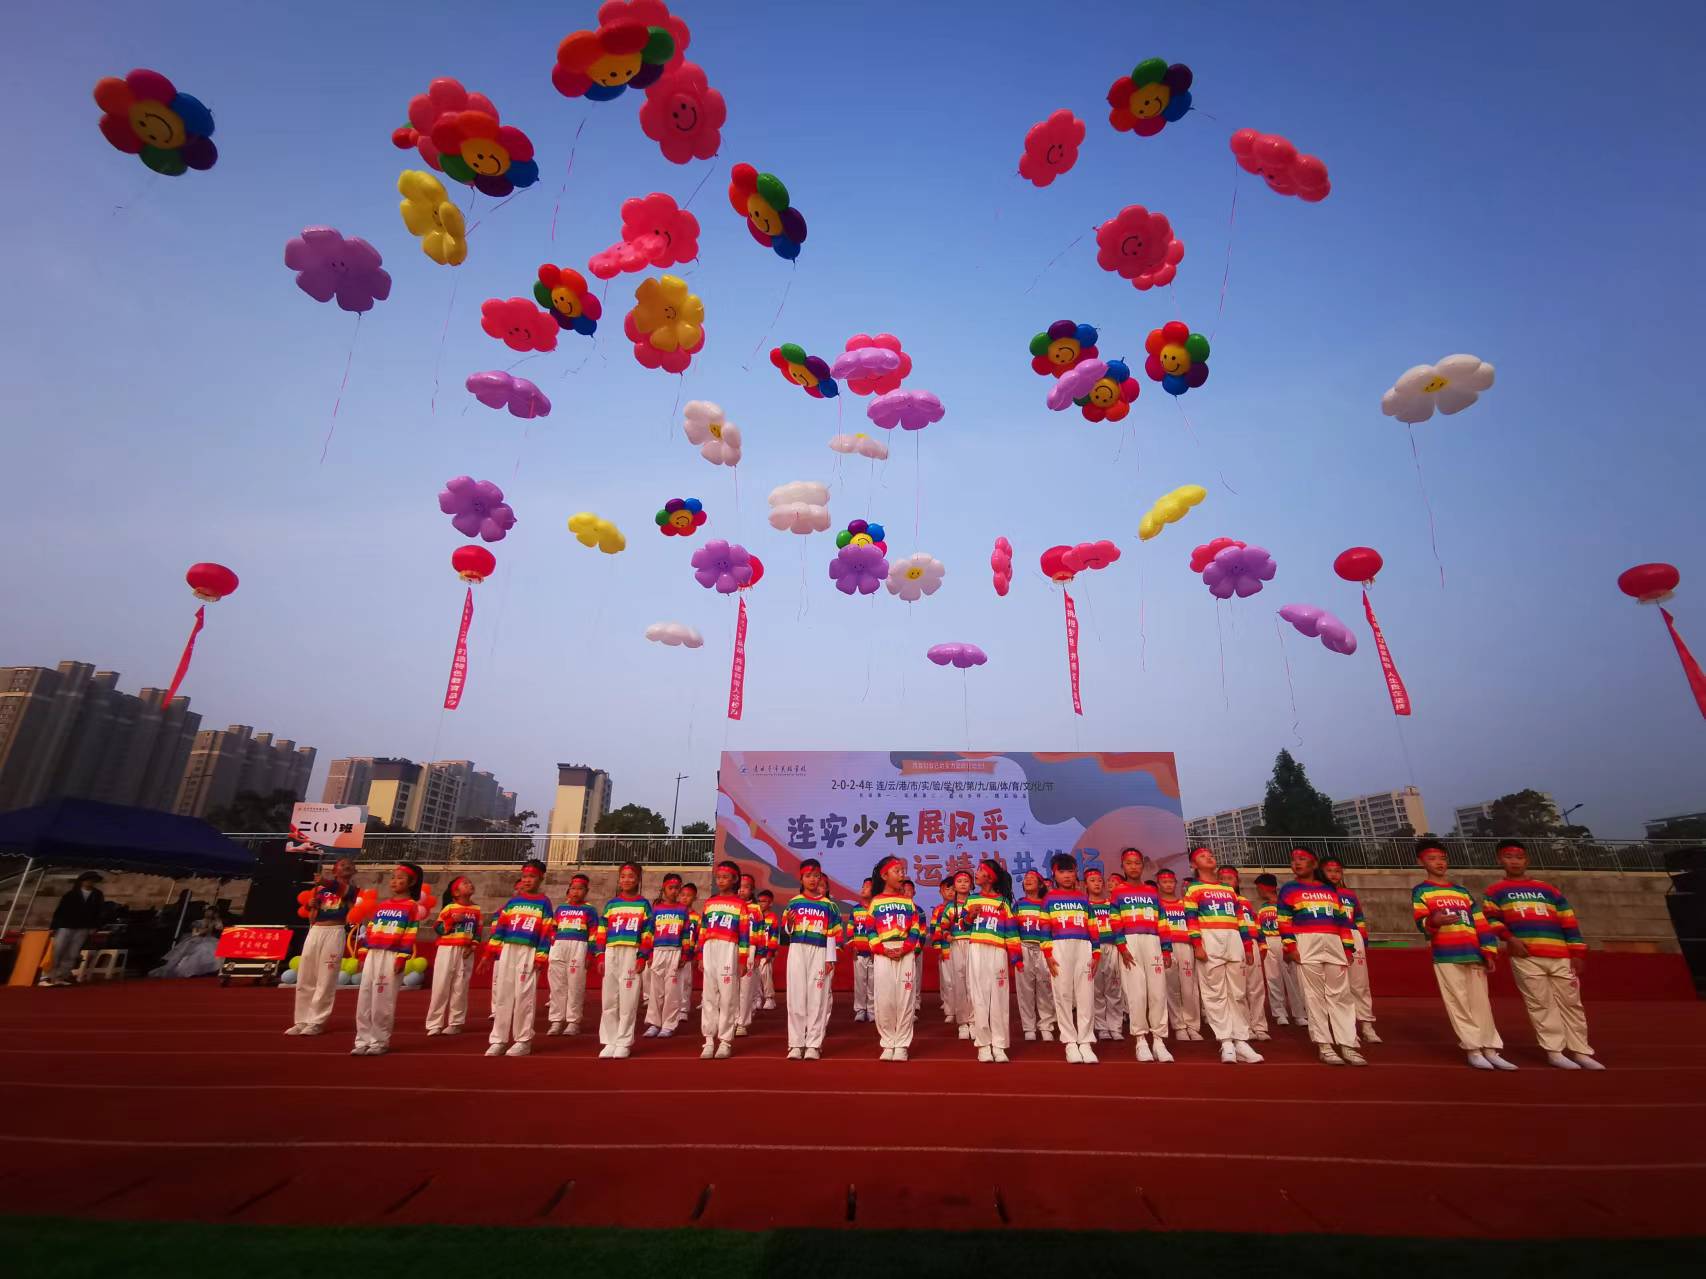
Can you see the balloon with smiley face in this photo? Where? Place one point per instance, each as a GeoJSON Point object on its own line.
{"type": "Point", "coordinates": [1178, 358]}
{"type": "Point", "coordinates": [144, 115]}
{"type": "Point", "coordinates": [809, 372]}
{"type": "Point", "coordinates": [564, 294]}
{"type": "Point", "coordinates": [1062, 346]}
{"type": "Point", "coordinates": [762, 200]}
{"type": "Point", "coordinates": [681, 517]}
{"type": "Point", "coordinates": [1153, 96]}
{"type": "Point", "coordinates": [1138, 245]}
{"type": "Point", "coordinates": [1110, 397]}
{"type": "Point", "coordinates": [475, 149]}
{"type": "Point", "coordinates": [518, 324]}
{"type": "Point", "coordinates": [444, 96]}
{"type": "Point", "coordinates": [429, 213]}
{"type": "Point", "coordinates": [863, 533]}
{"type": "Point", "coordinates": [635, 41]}
{"type": "Point", "coordinates": [684, 115]}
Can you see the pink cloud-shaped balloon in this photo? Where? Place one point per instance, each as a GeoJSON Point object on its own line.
{"type": "Point", "coordinates": [1139, 246]}
{"type": "Point", "coordinates": [655, 233]}
{"type": "Point", "coordinates": [499, 390]}
{"type": "Point", "coordinates": [1239, 570]}
{"type": "Point", "coordinates": [1051, 147]}
{"type": "Point", "coordinates": [1090, 555]}
{"type": "Point", "coordinates": [1075, 383]}
{"type": "Point", "coordinates": [960, 655]}
{"type": "Point", "coordinates": [1318, 623]}
{"type": "Point", "coordinates": [879, 383]}
{"type": "Point", "coordinates": [866, 363]}
{"type": "Point", "coordinates": [1275, 160]}
{"type": "Point", "coordinates": [909, 410]}
{"type": "Point", "coordinates": [1001, 564]}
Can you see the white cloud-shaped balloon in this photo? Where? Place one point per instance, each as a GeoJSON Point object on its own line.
{"type": "Point", "coordinates": [801, 506]}
{"type": "Point", "coordinates": [917, 575]}
{"type": "Point", "coordinates": [1450, 386]}
{"type": "Point", "coordinates": [675, 634]}
{"type": "Point", "coordinates": [718, 440]}
{"type": "Point", "coordinates": [864, 445]}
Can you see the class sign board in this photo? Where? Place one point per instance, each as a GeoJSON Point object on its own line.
{"type": "Point", "coordinates": [318, 827]}
{"type": "Point", "coordinates": [254, 941]}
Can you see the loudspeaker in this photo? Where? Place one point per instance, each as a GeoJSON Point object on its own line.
{"type": "Point", "coordinates": [279, 877]}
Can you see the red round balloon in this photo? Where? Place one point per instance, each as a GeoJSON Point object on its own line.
{"type": "Point", "coordinates": [1649, 582]}
{"type": "Point", "coordinates": [1054, 564]}
{"type": "Point", "coordinates": [1359, 564]}
{"type": "Point", "coordinates": [211, 582]}
{"type": "Point", "coordinates": [757, 572]}
{"type": "Point", "coordinates": [473, 563]}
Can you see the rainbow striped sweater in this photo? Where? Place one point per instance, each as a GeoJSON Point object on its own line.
{"type": "Point", "coordinates": [1311, 908]}
{"type": "Point", "coordinates": [1069, 919]}
{"type": "Point", "coordinates": [810, 921]}
{"type": "Point", "coordinates": [941, 928]}
{"type": "Point", "coordinates": [690, 934]}
{"type": "Point", "coordinates": [626, 921]}
{"type": "Point", "coordinates": [724, 918]}
{"type": "Point", "coordinates": [392, 926]}
{"type": "Point", "coordinates": [772, 933]}
{"type": "Point", "coordinates": [989, 922]}
{"type": "Point", "coordinates": [1465, 936]}
{"type": "Point", "coordinates": [1031, 919]}
{"type": "Point", "coordinates": [1137, 907]}
{"type": "Point", "coordinates": [1176, 923]}
{"type": "Point", "coordinates": [896, 921]}
{"type": "Point", "coordinates": [458, 925]}
{"type": "Point", "coordinates": [1213, 908]}
{"type": "Point", "coordinates": [525, 920]}
{"type": "Point", "coordinates": [1353, 904]}
{"type": "Point", "coordinates": [1106, 920]}
{"type": "Point", "coordinates": [669, 926]}
{"type": "Point", "coordinates": [333, 901]}
{"type": "Point", "coordinates": [755, 929]}
{"type": "Point", "coordinates": [576, 922]}
{"type": "Point", "coordinates": [1536, 914]}
{"type": "Point", "coordinates": [857, 934]}
{"type": "Point", "coordinates": [1267, 920]}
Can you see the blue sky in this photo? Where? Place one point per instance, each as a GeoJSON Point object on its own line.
{"type": "Point", "coordinates": [1510, 180]}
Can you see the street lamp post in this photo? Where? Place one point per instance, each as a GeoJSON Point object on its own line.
{"type": "Point", "coordinates": [675, 808]}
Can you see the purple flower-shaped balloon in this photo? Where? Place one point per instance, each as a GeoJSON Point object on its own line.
{"type": "Point", "coordinates": [858, 568]}
{"type": "Point", "coordinates": [865, 361]}
{"type": "Point", "coordinates": [724, 565]}
{"type": "Point", "coordinates": [1318, 623]}
{"type": "Point", "coordinates": [497, 390]}
{"type": "Point", "coordinates": [328, 265]}
{"type": "Point", "coordinates": [909, 410]}
{"type": "Point", "coordinates": [1237, 570]}
{"type": "Point", "coordinates": [476, 508]}
{"type": "Point", "coordinates": [1075, 383]}
{"type": "Point", "coordinates": [960, 655]}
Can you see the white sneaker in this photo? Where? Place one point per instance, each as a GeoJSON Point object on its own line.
{"type": "Point", "coordinates": [1499, 1063]}
{"type": "Point", "coordinates": [1047, 1036]}
{"type": "Point", "coordinates": [377, 1050]}
{"type": "Point", "coordinates": [1246, 1054]}
{"type": "Point", "coordinates": [1479, 1062]}
{"type": "Point", "coordinates": [295, 1030]}
{"type": "Point", "coordinates": [900, 1054]}
{"type": "Point", "coordinates": [1561, 1062]}
{"type": "Point", "coordinates": [724, 1049]}
{"type": "Point", "coordinates": [794, 1054]}
{"type": "Point", "coordinates": [1587, 1061]}
{"type": "Point", "coordinates": [1281, 1021]}
{"type": "Point", "coordinates": [360, 1050]}
{"type": "Point", "coordinates": [1087, 1055]}
{"type": "Point", "coordinates": [555, 1028]}
{"type": "Point", "coordinates": [812, 1054]}
{"type": "Point", "coordinates": [520, 1050]}
{"type": "Point", "coordinates": [965, 1031]}
{"type": "Point", "coordinates": [1073, 1055]}
{"type": "Point", "coordinates": [312, 1030]}
{"type": "Point", "coordinates": [739, 1031]}
{"type": "Point", "coordinates": [571, 1029]}
{"type": "Point", "coordinates": [665, 1034]}
{"type": "Point", "coordinates": [1368, 1035]}
{"type": "Point", "coordinates": [496, 1050]}
{"type": "Point", "coordinates": [1228, 1053]}
{"type": "Point", "coordinates": [607, 1051]}
{"type": "Point", "coordinates": [1030, 1036]}
{"type": "Point", "coordinates": [985, 1054]}
{"type": "Point", "coordinates": [887, 1054]}
{"type": "Point", "coordinates": [453, 1030]}
{"type": "Point", "coordinates": [769, 1004]}
{"type": "Point", "coordinates": [1329, 1056]}
{"type": "Point", "coordinates": [1143, 1052]}
{"type": "Point", "coordinates": [999, 1053]}
{"type": "Point", "coordinates": [434, 1031]}
{"type": "Point", "coordinates": [651, 1033]}
{"type": "Point", "coordinates": [620, 1052]}
{"type": "Point", "coordinates": [1161, 1053]}
{"type": "Point", "coordinates": [709, 1050]}
{"type": "Point", "coordinates": [1259, 1034]}
{"type": "Point", "coordinates": [1352, 1057]}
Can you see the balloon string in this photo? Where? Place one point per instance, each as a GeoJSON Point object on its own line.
{"type": "Point", "coordinates": [870, 644]}
{"type": "Point", "coordinates": [503, 599]}
{"type": "Point", "coordinates": [566, 172]}
{"type": "Point", "coordinates": [700, 187]}
{"type": "Point", "coordinates": [523, 360]}
{"type": "Point", "coordinates": [1231, 220]}
{"type": "Point", "coordinates": [801, 611]}
{"type": "Point", "coordinates": [1057, 257]}
{"type": "Point", "coordinates": [1173, 292]}
{"type": "Point", "coordinates": [348, 360]}
{"type": "Point", "coordinates": [1142, 632]}
{"type": "Point", "coordinates": [734, 472]}
{"type": "Point", "coordinates": [1191, 427]}
{"type": "Point", "coordinates": [1222, 641]}
{"type": "Point", "coordinates": [444, 334]}
{"type": "Point", "coordinates": [769, 328]}
{"type": "Point", "coordinates": [965, 703]}
{"type": "Point", "coordinates": [1433, 539]}
{"type": "Point", "coordinates": [1290, 691]}
{"type": "Point", "coordinates": [516, 469]}
{"type": "Point", "coordinates": [675, 409]}
{"type": "Point", "coordinates": [500, 204]}
{"type": "Point", "coordinates": [1403, 745]}
{"type": "Point", "coordinates": [917, 484]}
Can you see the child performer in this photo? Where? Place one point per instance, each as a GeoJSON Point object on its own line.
{"type": "Point", "coordinates": [522, 933]}
{"type": "Point", "coordinates": [565, 971]}
{"type": "Point", "coordinates": [1221, 941]}
{"type": "Point", "coordinates": [1143, 970]}
{"type": "Point", "coordinates": [669, 927]}
{"type": "Point", "coordinates": [859, 943]}
{"type": "Point", "coordinates": [623, 945]}
{"type": "Point", "coordinates": [724, 944]}
{"type": "Point", "coordinates": [1333, 874]}
{"type": "Point", "coordinates": [1107, 999]}
{"type": "Point", "coordinates": [896, 941]}
{"type": "Point", "coordinates": [809, 927]}
{"type": "Point", "coordinates": [458, 929]}
{"type": "Point", "coordinates": [941, 942]}
{"type": "Point", "coordinates": [1464, 953]}
{"type": "Point", "coordinates": [689, 950]}
{"type": "Point", "coordinates": [908, 890]}
{"type": "Point", "coordinates": [1184, 1006]}
{"type": "Point", "coordinates": [1547, 956]}
{"type": "Point", "coordinates": [992, 943]}
{"type": "Point", "coordinates": [772, 934]}
{"type": "Point", "coordinates": [760, 946]}
{"type": "Point", "coordinates": [1070, 951]}
{"type": "Point", "coordinates": [959, 953]}
{"type": "Point", "coordinates": [1036, 995]}
{"type": "Point", "coordinates": [1284, 994]}
{"type": "Point", "coordinates": [327, 910]}
{"type": "Point", "coordinates": [390, 942]}
{"type": "Point", "coordinates": [1254, 986]}
{"type": "Point", "coordinates": [1315, 934]}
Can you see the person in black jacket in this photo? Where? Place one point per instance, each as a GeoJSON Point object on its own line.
{"type": "Point", "coordinates": [79, 911]}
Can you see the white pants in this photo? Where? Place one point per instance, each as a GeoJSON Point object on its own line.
{"type": "Point", "coordinates": [1036, 996]}
{"type": "Point", "coordinates": [917, 961]}
{"type": "Point", "coordinates": [1553, 997]}
{"type": "Point", "coordinates": [317, 974]}
{"type": "Point", "coordinates": [1360, 991]}
{"type": "Point", "coordinates": [1325, 976]}
{"type": "Point", "coordinates": [1107, 999]}
{"type": "Point", "coordinates": [1285, 996]}
{"type": "Point", "coordinates": [452, 966]}
{"type": "Point", "coordinates": [1145, 985]}
{"type": "Point", "coordinates": [515, 985]}
{"type": "Point", "coordinates": [748, 999]}
{"type": "Point", "coordinates": [719, 1001]}
{"type": "Point", "coordinates": [1184, 1008]}
{"type": "Point", "coordinates": [683, 991]}
{"type": "Point", "coordinates": [1220, 985]}
{"type": "Point", "coordinates": [663, 980]}
{"type": "Point", "coordinates": [620, 997]}
{"type": "Point", "coordinates": [808, 995]}
{"type": "Point", "coordinates": [767, 980]}
{"type": "Point", "coordinates": [376, 1006]}
{"type": "Point", "coordinates": [1073, 995]}
{"type": "Point", "coordinates": [893, 986]}
{"type": "Point", "coordinates": [861, 984]}
{"type": "Point", "coordinates": [1464, 989]}
{"type": "Point", "coordinates": [986, 976]}
{"type": "Point", "coordinates": [959, 958]}
{"type": "Point", "coordinates": [68, 944]}
{"type": "Point", "coordinates": [1255, 991]}
{"type": "Point", "coordinates": [565, 974]}
{"type": "Point", "coordinates": [945, 983]}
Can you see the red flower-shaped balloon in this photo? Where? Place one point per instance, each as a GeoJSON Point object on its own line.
{"type": "Point", "coordinates": [1051, 148]}
{"type": "Point", "coordinates": [684, 115]}
{"type": "Point", "coordinates": [444, 96]}
{"type": "Point", "coordinates": [1203, 555]}
{"type": "Point", "coordinates": [1276, 161]}
{"type": "Point", "coordinates": [518, 324]}
{"type": "Point", "coordinates": [1139, 246]}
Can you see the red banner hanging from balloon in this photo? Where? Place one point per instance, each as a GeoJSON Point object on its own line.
{"type": "Point", "coordinates": [189, 648]}
{"type": "Point", "coordinates": [1394, 681]}
{"type": "Point", "coordinates": [1690, 667]}
{"type": "Point", "coordinates": [1072, 651]}
{"type": "Point", "coordinates": [737, 668]}
{"type": "Point", "coordinates": [459, 662]}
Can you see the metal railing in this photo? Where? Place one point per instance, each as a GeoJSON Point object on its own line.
{"type": "Point", "coordinates": [513, 849]}
{"type": "Point", "coordinates": [1545, 852]}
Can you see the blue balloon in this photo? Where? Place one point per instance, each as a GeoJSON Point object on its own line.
{"type": "Point", "coordinates": [829, 389]}
{"type": "Point", "coordinates": [584, 326]}
{"type": "Point", "coordinates": [785, 248]}
{"type": "Point", "coordinates": [524, 173]}
{"type": "Point", "coordinates": [876, 532]}
{"type": "Point", "coordinates": [1087, 335]}
{"type": "Point", "coordinates": [1176, 109]}
{"type": "Point", "coordinates": [1174, 385]}
{"type": "Point", "coordinates": [198, 120]}
{"type": "Point", "coordinates": [1118, 370]}
{"type": "Point", "coordinates": [694, 504]}
{"type": "Point", "coordinates": [605, 92]}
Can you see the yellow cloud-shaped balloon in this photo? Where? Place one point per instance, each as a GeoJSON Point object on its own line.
{"type": "Point", "coordinates": [429, 213]}
{"type": "Point", "coordinates": [1170, 509]}
{"type": "Point", "coordinates": [590, 530]}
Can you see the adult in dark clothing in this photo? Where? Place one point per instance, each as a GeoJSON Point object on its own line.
{"type": "Point", "coordinates": [79, 912]}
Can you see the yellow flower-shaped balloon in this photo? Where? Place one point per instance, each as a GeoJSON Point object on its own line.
{"type": "Point", "coordinates": [671, 316]}
{"type": "Point", "coordinates": [428, 213]}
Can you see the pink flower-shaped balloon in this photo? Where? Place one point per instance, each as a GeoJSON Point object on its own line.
{"type": "Point", "coordinates": [477, 508]}
{"type": "Point", "coordinates": [498, 390]}
{"type": "Point", "coordinates": [1318, 623]}
{"type": "Point", "coordinates": [1238, 570]}
{"type": "Point", "coordinates": [1139, 246]}
{"type": "Point", "coordinates": [1001, 562]}
{"type": "Point", "coordinates": [960, 655]}
{"type": "Point", "coordinates": [684, 115]}
{"type": "Point", "coordinates": [1051, 147]}
{"type": "Point", "coordinates": [724, 566]}
{"type": "Point", "coordinates": [909, 410]}
{"type": "Point", "coordinates": [1075, 383]}
{"type": "Point", "coordinates": [328, 265]}
{"type": "Point", "coordinates": [858, 567]}
{"type": "Point", "coordinates": [881, 383]}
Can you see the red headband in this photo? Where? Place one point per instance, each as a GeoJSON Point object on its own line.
{"type": "Point", "coordinates": [890, 860]}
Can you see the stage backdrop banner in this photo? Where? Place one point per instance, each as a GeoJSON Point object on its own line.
{"type": "Point", "coordinates": [943, 811]}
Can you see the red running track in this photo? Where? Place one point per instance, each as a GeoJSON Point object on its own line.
{"type": "Point", "coordinates": [185, 1101]}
